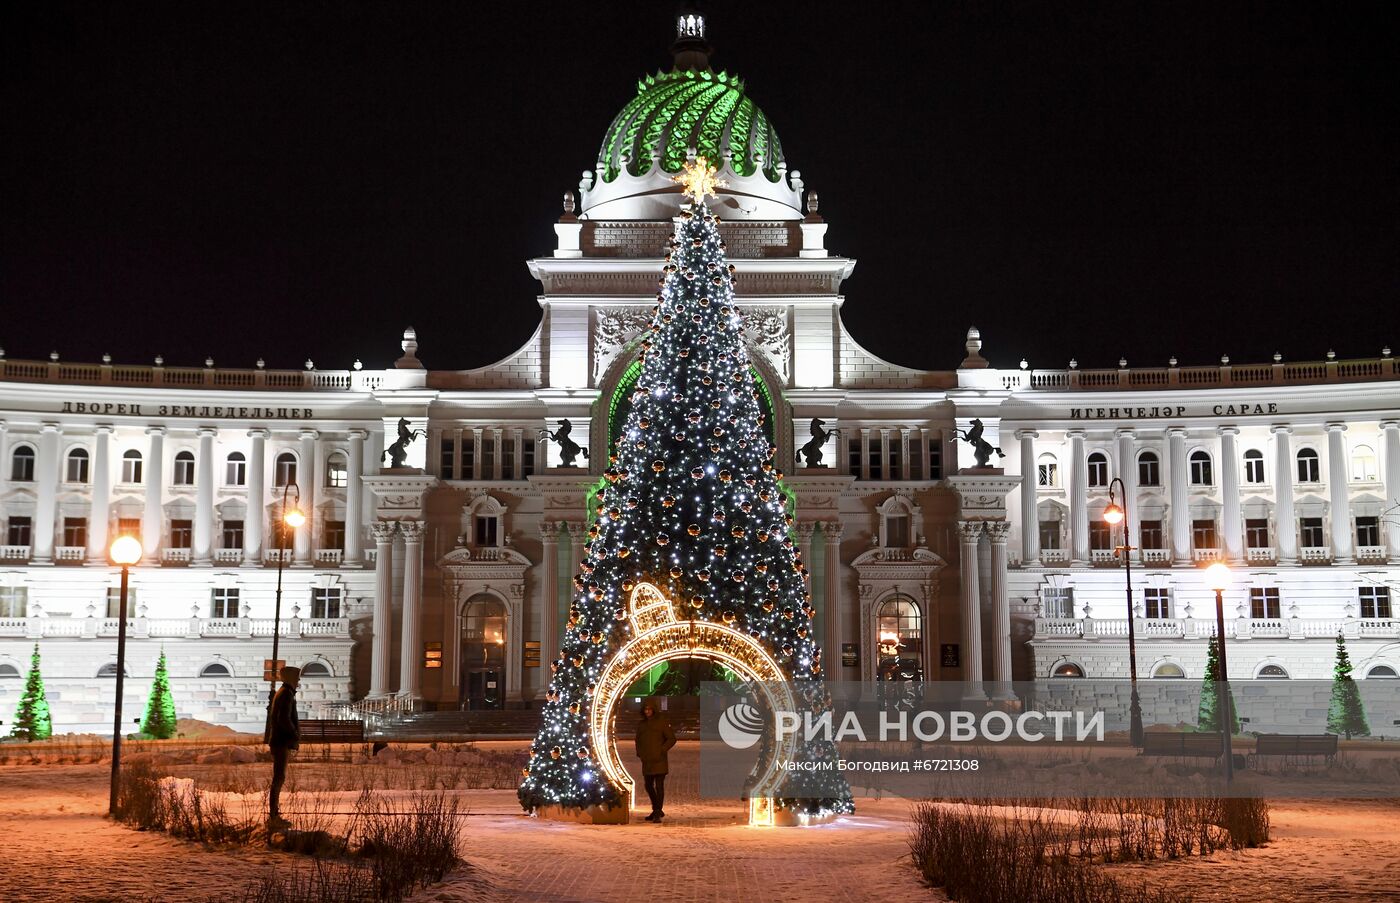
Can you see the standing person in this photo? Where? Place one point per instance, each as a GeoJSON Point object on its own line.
{"type": "Point", "coordinates": [655, 737]}
{"type": "Point", "coordinates": [282, 735]}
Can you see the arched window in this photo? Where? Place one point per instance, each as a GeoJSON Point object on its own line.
{"type": "Point", "coordinates": [900, 638]}
{"type": "Point", "coordinates": [1201, 474]}
{"type": "Point", "coordinates": [1067, 669]}
{"type": "Point", "coordinates": [235, 469]}
{"type": "Point", "coordinates": [337, 473]}
{"type": "Point", "coordinates": [1363, 464]}
{"type": "Point", "coordinates": [1098, 469]}
{"type": "Point", "coordinates": [483, 646]}
{"type": "Point", "coordinates": [1308, 469]}
{"type": "Point", "coordinates": [286, 469]}
{"type": "Point", "coordinates": [131, 466]}
{"type": "Point", "coordinates": [1385, 672]}
{"type": "Point", "coordinates": [215, 669]}
{"type": "Point", "coordinates": [315, 669]}
{"type": "Point", "coordinates": [76, 468]}
{"type": "Point", "coordinates": [1169, 670]}
{"type": "Point", "coordinates": [9, 670]}
{"type": "Point", "coordinates": [184, 469]}
{"type": "Point", "coordinates": [1047, 470]}
{"type": "Point", "coordinates": [22, 465]}
{"type": "Point", "coordinates": [1254, 466]}
{"type": "Point", "coordinates": [109, 670]}
{"type": "Point", "coordinates": [1149, 469]}
{"type": "Point", "coordinates": [1272, 672]}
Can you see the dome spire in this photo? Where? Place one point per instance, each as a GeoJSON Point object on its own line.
{"type": "Point", "coordinates": [690, 50]}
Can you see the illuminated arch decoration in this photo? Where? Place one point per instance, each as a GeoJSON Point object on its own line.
{"type": "Point", "coordinates": [659, 636]}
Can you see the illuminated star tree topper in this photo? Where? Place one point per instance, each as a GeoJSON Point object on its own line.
{"type": "Point", "coordinates": [698, 179]}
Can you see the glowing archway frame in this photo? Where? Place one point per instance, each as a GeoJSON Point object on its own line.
{"type": "Point", "coordinates": [660, 636]}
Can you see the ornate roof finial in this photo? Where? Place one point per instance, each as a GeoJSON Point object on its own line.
{"type": "Point", "coordinates": [690, 50]}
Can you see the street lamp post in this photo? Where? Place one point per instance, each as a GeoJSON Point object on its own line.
{"type": "Point", "coordinates": [1114, 515]}
{"type": "Point", "coordinates": [1218, 578]}
{"type": "Point", "coordinates": [125, 551]}
{"type": "Point", "coordinates": [293, 518]}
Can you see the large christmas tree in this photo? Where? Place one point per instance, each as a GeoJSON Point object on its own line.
{"type": "Point", "coordinates": [1346, 715]}
{"type": "Point", "coordinates": [32, 721]}
{"type": "Point", "coordinates": [693, 505]}
{"type": "Point", "coordinates": [1208, 715]}
{"type": "Point", "coordinates": [159, 721]}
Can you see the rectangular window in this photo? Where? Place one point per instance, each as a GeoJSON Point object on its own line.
{"type": "Point", "coordinates": [897, 531]}
{"type": "Point", "coordinates": [131, 468]}
{"type": "Point", "coordinates": [1203, 534]}
{"type": "Point", "coordinates": [488, 460]}
{"type": "Point", "coordinates": [935, 458]}
{"type": "Point", "coordinates": [1264, 603]}
{"type": "Point", "coordinates": [1058, 601]}
{"type": "Point", "coordinates": [468, 458]}
{"type": "Point", "coordinates": [20, 532]}
{"type": "Point", "coordinates": [447, 458]}
{"type": "Point", "coordinates": [77, 469]}
{"type": "Point", "coordinates": [235, 471]}
{"type": "Point", "coordinates": [853, 457]}
{"type": "Point", "coordinates": [1253, 468]}
{"type": "Point", "coordinates": [897, 459]}
{"type": "Point", "coordinates": [876, 468]}
{"type": "Point", "coordinates": [129, 526]}
{"type": "Point", "coordinates": [14, 601]}
{"type": "Point", "coordinates": [1375, 602]}
{"type": "Point", "coordinates": [1256, 532]}
{"type": "Point", "coordinates": [1100, 536]}
{"type": "Point", "coordinates": [1149, 470]}
{"type": "Point", "coordinates": [325, 602]}
{"type": "Point", "coordinates": [184, 470]}
{"type": "Point", "coordinates": [75, 531]}
{"type": "Point", "coordinates": [337, 472]}
{"type": "Point", "coordinates": [1150, 534]}
{"type": "Point", "coordinates": [1368, 531]}
{"type": "Point", "coordinates": [181, 534]}
{"type": "Point", "coordinates": [223, 603]}
{"type": "Point", "coordinates": [1156, 602]}
{"type": "Point", "coordinates": [1048, 474]}
{"type": "Point", "coordinates": [508, 460]}
{"type": "Point", "coordinates": [486, 531]}
{"type": "Point", "coordinates": [527, 458]}
{"type": "Point", "coordinates": [333, 534]}
{"type": "Point", "coordinates": [114, 602]}
{"type": "Point", "coordinates": [1310, 529]}
{"type": "Point", "coordinates": [1050, 534]}
{"type": "Point", "coordinates": [232, 535]}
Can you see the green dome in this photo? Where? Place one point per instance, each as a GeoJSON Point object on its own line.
{"type": "Point", "coordinates": [675, 111]}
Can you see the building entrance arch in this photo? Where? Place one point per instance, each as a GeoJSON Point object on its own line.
{"type": "Point", "coordinates": [658, 635]}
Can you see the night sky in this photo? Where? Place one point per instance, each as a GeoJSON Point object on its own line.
{"type": "Point", "coordinates": [304, 179]}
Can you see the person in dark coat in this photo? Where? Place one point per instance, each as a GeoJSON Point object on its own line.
{"type": "Point", "coordinates": [282, 735]}
{"type": "Point", "coordinates": [655, 737]}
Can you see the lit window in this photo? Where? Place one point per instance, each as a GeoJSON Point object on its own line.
{"type": "Point", "coordinates": [131, 466]}
{"type": "Point", "coordinates": [236, 469]}
{"type": "Point", "coordinates": [22, 465]}
{"type": "Point", "coordinates": [286, 469]}
{"type": "Point", "coordinates": [1308, 469]}
{"type": "Point", "coordinates": [1067, 669]}
{"type": "Point", "coordinates": [14, 601]}
{"type": "Point", "coordinates": [899, 638]}
{"type": "Point", "coordinates": [1168, 671]}
{"type": "Point", "coordinates": [184, 469]}
{"type": "Point", "coordinates": [325, 602]}
{"type": "Point", "coordinates": [1149, 469]}
{"type": "Point", "coordinates": [1047, 471]}
{"type": "Point", "coordinates": [337, 472]}
{"type": "Point", "coordinates": [1363, 465]}
{"type": "Point", "coordinates": [1375, 602]}
{"type": "Point", "coordinates": [1254, 466]}
{"type": "Point", "coordinates": [1057, 601]}
{"type": "Point", "coordinates": [1264, 603]}
{"type": "Point", "coordinates": [223, 603]}
{"type": "Point", "coordinates": [1156, 602]}
{"type": "Point", "coordinates": [76, 470]}
{"type": "Point", "coordinates": [1201, 473]}
{"type": "Point", "coordinates": [1098, 469]}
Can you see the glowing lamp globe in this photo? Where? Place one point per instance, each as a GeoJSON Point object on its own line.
{"type": "Point", "coordinates": [126, 550]}
{"type": "Point", "coordinates": [294, 518]}
{"type": "Point", "coordinates": [1218, 576]}
{"type": "Point", "coordinates": [1113, 514]}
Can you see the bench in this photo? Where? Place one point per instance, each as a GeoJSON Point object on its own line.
{"type": "Point", "coordinates": [1182, 744]}
{"type": "Point", "coordinates": [1296, 748]}
{"type": "Point", "coordinates": [317, 730]}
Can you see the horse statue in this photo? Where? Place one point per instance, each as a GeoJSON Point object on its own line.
{"type": "Point", "coordinates": [568, 448]}
{"type": "Point", "coordinates": [398, 452]}
{"type": "Point", "coordinates": [812, 451]}
{"type": "Point", "coordinates": [981, 448]}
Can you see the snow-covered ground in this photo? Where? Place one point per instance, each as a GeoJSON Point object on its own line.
{"type": "Point", "coordinates": [58, 846]}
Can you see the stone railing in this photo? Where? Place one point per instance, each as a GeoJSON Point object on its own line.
{"type": "Point", "coordinates": [1054, 556]}
{"type": "Point", "coordinates": [14, 553]}
{"type": "Point", "coordinates": [1278, 373]}
{"type": "Point", "coordinates": [1102, 557]}
{"type": "Point", "coordinates": [228, 556]}
{"type": "Point", "coordinates": [1370, 554]}
{"type": "Point", "coordinates": [108, 374]}
{"type": "Point", "coordinates": [1260, 555]}
{"type": "Point", "coordinates": [1315, 555]}
{"type": "Point", "coordinates": [328, 556]}
{"type": "Point", "coordinates": [1156, 556]}
{"type": "Point", "coordinates": [175, 556]}
{"type": "Point", "coordinates": [1205, 555]}
{"type": "Point", "coordinates": [1089, 628]}
{"type": "Point", "coordinates": [187, 628]}
{"type": "Point", "coordinates": [270, 555]}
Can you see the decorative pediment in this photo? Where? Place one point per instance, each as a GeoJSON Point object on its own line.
{"type": "Point", "coordinates": [475, 559]}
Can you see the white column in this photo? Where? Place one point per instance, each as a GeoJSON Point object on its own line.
{"type": "Point", "coordinates": [997, 532]}
{"type": "Point", "coordinates": [831, 603]}
{"type": "Point", "coordinates": [1391, 446]}
{"type": "Point", "coordinates": [100, 514]}
{"type": "Point", "coordinates": [1181, 508]}
{"type": "Point", "coordinates": [478, 453]}
{"type": "Point", "coordinates": [497, 456]}
{"type": "Point", "coordinates": [911, 470]}
{"type": "Point", "coordinates": [203, 551]}
{"type": "Point", "coordinates": [1127, 472]}
{"type": "Point", "coordinates": [865, 453]}
{"type": "Point", "coordinates": [381, 649]}
{"type": "Point", "coordinates": [1339, 494]}
{"type": "Point", "coordinates": [354, 501]}
{"type": "Point", "coordinates": [153, 518]}
{"type": "Point", "coordinates": [1078, 499]}
{"type": "Point", "coordinates": [1030, 508]}
{"type": "Point", "coordinates": [1231, 527]}
{"type": "Point", "coordinates": [885, 455]}
{"type": "Point", "coordinates": [306, 483]}
{"type": "Point", "coordinates": [256, 518]}
{"type": "Point", "coordinates": [46, 503]}
{"type": "Point", "coordinates": [1285, 528]}
{"type": "Point", "coordinates": [970, 532]}
{"type": "Point", "coordinates": [411, 649]}
{"type": "Point", "coordinates": [549, 600]}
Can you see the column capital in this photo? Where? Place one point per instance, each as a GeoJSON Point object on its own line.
{"type": "Point", "coordinates": [102, 429]}
{"type": "Point", "coordinates": [1176, 432]}
{"type": "Point", "coordinates": [310, 434]}
{"type": "Point", "coordinates": [1385, 425]}
{"type": "Point", "coordinates": [575, 528]}
{"type": "Point", "coordinates": [259, 433]}
{"type": "Point", "coordinates": [50, 427]}
{"type": "Point", "coordinates": [1075, 433]}
{"type": "Point", "coordinates": [831, 531]}
{"type": "Point", "coordinates": [970, 530]}
{"type": "Point", "coordinates": [357, 435]}
{"type": "Point", "coordinates": [412, 530]}
{"type": "Point", "coordinates": [997, 531]}
{"type": "Point", "coordinates": [1281, 429]}
{"type": "Point", "coordinates": [1125, 432]}
{"type": "Point", "coordinates": [1027, 434]}
{"type": "Point", "coordinates": [156, 431]}
{"type": "Point", "coordinates": [206, 432]}
{"type": "Point", "coordinates": [383, 530]}
{"type": "Point", "coordinates": [1228, 430]}
{"type": "Point", "coordinates": [1335, 427]}
{"type": "Point", "coordinates": [804, 530]}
